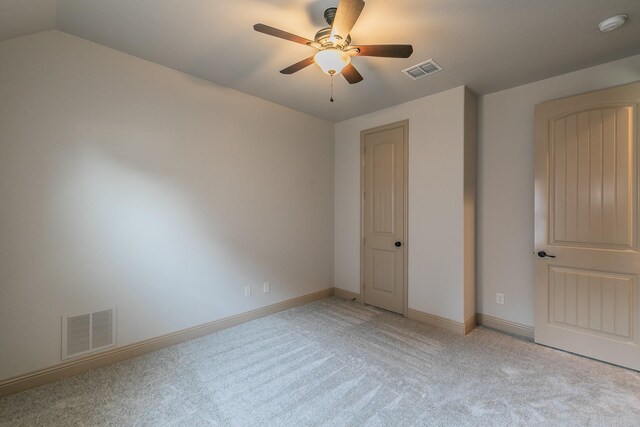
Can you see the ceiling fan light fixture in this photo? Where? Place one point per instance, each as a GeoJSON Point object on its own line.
{"type": "Point", "coordinates": [334, 43]}
{"type": "Point", "coordinates": [331, 60]}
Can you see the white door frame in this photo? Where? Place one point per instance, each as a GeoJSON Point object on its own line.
{"type": "Point", "coordinates": [404, 124]}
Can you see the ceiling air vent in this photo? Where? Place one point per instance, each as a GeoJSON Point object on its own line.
{"type": "Point", "coordinates": [423, 69]}
{"type": "Point", "coordinates": [88, 332]}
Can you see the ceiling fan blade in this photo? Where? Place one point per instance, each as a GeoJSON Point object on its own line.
{"type": "Point", "coordinates": [346, 16]}
{"type": "Point", "coordinates": [351, 74]}
{"type": "Point", "coordinates": [298, 66]}
{"type": "Point", "coordinates": [386, 50]}
{"type": "Point", "coordinates": [262, 28]}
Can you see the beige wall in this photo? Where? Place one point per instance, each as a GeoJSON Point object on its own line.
{"type": "Point", "coordinates": [436, 201]}
{"type": "Point", "coordinates": [505, 184]}
{"type": "Point", "coordinates": [125, 183]}
{"type": "Point", "coordinates": [504, 199]}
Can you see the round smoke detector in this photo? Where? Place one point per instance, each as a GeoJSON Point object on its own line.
{"type": "Point", "coordinates": [612, 23]}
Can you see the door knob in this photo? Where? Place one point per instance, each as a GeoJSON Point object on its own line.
{"type": "Point", "coordinates": [398, 244]}
{"type": "Point", "coordinates": [543, 254]}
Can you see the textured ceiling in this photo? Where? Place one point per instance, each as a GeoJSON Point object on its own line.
{"type": "Point", "coordinates": [487, 45]}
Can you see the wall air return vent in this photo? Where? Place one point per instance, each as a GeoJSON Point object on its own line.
{"type": "Point", "coordinates": [423, 69]}
{"type": "Point", "coordinates": [88, 332]}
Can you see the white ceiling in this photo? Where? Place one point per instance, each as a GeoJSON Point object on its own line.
{"type": "Point", "coordinates": [487, 45]}
{"type": "Point", "coordinates": [22, 17]}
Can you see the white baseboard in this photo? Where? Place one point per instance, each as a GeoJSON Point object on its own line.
{"type": "Point", "coordinates": [470, 324]}
{"type": "Point", "coordinates": [93, 361]}
{"type": "Point", "coordinates": [420, 316]}
{"type": "Point", "coordinates": [441, 322]}
{"type": "Point", "coordinates": [506, 326]}
{"type": "Point", "coordinates": [347, 294]}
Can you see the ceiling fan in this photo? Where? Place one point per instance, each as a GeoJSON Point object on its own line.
{"type": "Point", "coordinates": [334, 51]}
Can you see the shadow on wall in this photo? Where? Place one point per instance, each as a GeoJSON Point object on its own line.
{"type": "Point", "coordinates": [164, 226]}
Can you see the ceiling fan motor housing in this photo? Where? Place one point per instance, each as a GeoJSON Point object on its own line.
{"type": "Point", "coordinates": [323, 35]}
{"type": "Point", "coordinates": [330, 14]}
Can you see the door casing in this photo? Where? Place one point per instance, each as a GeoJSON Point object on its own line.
{"type": "Point", "coordinates": [404, 124]}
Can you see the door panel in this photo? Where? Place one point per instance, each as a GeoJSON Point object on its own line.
{"type": "Point", "coordinates": [590, 199]}
{"type": "Point", "coordinates": [586, 196]}
{"type": "Point", "coordinates": [384, 187]}
{"type": "Point", "coordinates": [384, 266]}
{"type": "Point", "coordinates": [383, 217]}
{"type": "Point", "coordinates": [596, 301]}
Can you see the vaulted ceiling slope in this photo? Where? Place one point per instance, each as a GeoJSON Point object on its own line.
{"type": "Point", "coordinates": [23, 17]}
{"type": "Point", "coordinates": [488, 45]}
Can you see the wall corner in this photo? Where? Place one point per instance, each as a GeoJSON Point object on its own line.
{"type": "Point", "coordinates": [469, 215]}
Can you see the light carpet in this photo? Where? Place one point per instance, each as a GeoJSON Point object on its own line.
{"type": "Point", "coordinates": [336, 362]}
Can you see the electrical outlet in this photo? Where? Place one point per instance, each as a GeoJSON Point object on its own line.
{"type": "Point", "coordinates": [247, 291]}
{"type": "Point", "coordinates": [499, 298]}
{"type": "Point", "coordinates": [265, 287]}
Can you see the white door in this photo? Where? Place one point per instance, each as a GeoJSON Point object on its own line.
{"type": "Point", "coordinates": [384, 228]}
{"type": "Point", "coordinates": [586, 222]}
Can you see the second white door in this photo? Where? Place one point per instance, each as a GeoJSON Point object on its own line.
{"type": "Point", "coordinates": [384, 226]}
{"type": "Point", "coordinates": [586, 231]}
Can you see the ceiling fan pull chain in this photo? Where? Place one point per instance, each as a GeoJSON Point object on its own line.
{"type": "Point", "coordinates": [331, 88]}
